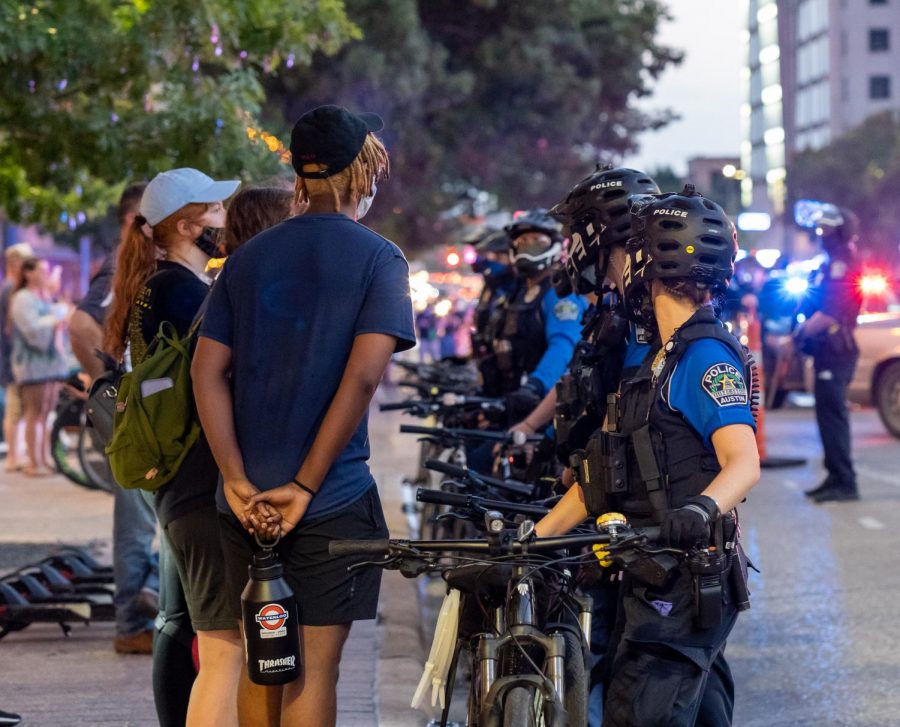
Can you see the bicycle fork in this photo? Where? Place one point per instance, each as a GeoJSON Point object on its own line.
{"type": "Point", "coordinates": [493, 688]}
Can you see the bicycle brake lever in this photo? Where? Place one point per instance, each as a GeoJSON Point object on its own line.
{"type": "Point", "coordinates": [387, 564]}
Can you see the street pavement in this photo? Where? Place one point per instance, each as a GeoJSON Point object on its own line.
{"type": "Point", "coordinates": [819, 646]}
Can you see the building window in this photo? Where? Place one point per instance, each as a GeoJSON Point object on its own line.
{"type": "Point", "coordinates": [879, 87]}
{"type": "Point", "coordinates": [879, 39]}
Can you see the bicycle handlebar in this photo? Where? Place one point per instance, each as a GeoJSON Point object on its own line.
{"type": "Point", "coordinates": [488, 436]}
{"type": "Point", "coordinates": [384, 547]}
{"type": "Point", "coordinates": [339, 548]}
{"type": "Point", "coordinates": [464, 473]}
{"type": "Point", "coordinates": [454, 499]}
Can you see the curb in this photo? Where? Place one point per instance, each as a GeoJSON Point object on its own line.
{"type": "Point", "coordinates": [401, 655]}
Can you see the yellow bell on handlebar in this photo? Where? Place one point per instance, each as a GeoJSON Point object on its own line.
{"type": "Point", "coordinates": [607, 522]}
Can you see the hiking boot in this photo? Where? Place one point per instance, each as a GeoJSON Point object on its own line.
{"type": "Point", "coordinates": [139, 643]}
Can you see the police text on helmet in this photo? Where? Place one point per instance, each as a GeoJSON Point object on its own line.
{"type": "Point", "coordinates": [673, 213]}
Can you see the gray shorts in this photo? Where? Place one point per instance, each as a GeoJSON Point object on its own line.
{"type": "Point", "coordinates": [197, 552]}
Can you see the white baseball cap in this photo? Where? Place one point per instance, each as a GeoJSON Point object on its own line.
{"type": "Point", "coordinates": [172, 190]}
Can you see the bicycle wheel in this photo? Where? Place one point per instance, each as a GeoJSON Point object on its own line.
{"type": "Point", "coordinates": [576, 681]}
{"type": "Point", "coordinates": [524, 707]}
{"type": "Point", "coordinates": [64, 443]}
{"type": "Point", "coordinates": [92, 457]}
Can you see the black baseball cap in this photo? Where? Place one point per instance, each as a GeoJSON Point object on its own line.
{"type": "Point", "coordinates": [330, 135]}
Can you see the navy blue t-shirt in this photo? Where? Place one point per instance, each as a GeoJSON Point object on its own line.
{"type": "Point", "coordinates": [708, 388]}
{"type": "Point", "coordinates": [289, 303]}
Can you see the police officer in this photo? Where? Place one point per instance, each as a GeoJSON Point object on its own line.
{"type": "Point", "coordinates": [685, 427]}
{"type": "Point", "coordinates": [492, 262]}
{"type": "Point", "coordinates": [827, 334]}
{"type": "Point", "coordinates": [539, 329]}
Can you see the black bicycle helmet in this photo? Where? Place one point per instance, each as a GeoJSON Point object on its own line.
{"type": "Point", "coordinates": [837, 229]}
{"type": "Point", "coordinates": [596, 216]}
{"type": "Point", "coordinates": [534, 258]}
{"type": "Point", "coordinates": [676, 236]}
{"type": "Point", "coordinates": [493, 241]}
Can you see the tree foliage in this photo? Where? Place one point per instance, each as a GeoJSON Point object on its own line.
{"type": "Point", "coordinates": [95, 93]}
{"type": "Point", "coordinates": [516, 98]}
{"type": "Point", "coordinates": [860, 171]}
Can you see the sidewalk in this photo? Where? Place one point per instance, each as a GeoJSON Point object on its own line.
{"type": "Point", "coordinates": [80, 680]}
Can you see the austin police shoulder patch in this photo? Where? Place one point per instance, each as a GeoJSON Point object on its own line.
{"type": "Point", "coordinates": [726, 385]}
{"type": "Point", "coordinates": [566, 310]}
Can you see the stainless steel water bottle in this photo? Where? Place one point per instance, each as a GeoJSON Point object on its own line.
{"type": "Point", "coordinates": [270, 622]}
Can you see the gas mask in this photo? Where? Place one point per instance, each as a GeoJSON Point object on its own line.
{"type": "Point", "coordinates": [365, 204]}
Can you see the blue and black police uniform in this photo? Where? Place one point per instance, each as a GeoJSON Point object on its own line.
{"type": "Point", "coordinates": [666, 415]}
{"type": "Point", "coordinates": [538, 337]}
{"type": "Point", "coordinates": [487, 323]}
{"type": "Point", "coordinates": [835, 355]}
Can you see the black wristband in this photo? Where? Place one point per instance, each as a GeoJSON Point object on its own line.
{"type": "Point", "coordinates": [312, 493]}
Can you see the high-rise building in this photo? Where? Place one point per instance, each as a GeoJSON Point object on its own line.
{"type": "Point", "coordinates": [815, 69]}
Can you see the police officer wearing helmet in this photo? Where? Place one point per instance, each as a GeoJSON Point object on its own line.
{"type": "Point", "coordinates": [827, 334]}
{"type": "Point", "coordinates": [683, 425]}
{"type": "Point", "coordinates": [596, 217]}
{"type": "Point", "coordinates": [540, 329]}
{"type": "Point", "coordinates": [492, 262]}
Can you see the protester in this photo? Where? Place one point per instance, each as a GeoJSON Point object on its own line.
{"type": "Point", "coordinates": [12, 410]}
{"type": "Point", "coordinates": [251, 211]}
{"type": "Point", "coordinates": [38, 363]}
{"type": "Point", "coordinates": [135, 566]}
{"type": "Point", "coordinates": [183, 207]}
{"type": "Point", "coordinates": [332, 298]}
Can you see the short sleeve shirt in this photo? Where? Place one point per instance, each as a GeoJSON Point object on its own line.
{"type": "Point", "coordinates": [99, 295]}
{"type": "Point", "coordinates": [708, 388]}
{"type": "Point", "coordinates": [289, 303]}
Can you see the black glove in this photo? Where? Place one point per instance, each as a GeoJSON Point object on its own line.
{"type": "Point", "coordinates": [690, 525]}
{"type": "Point", "coordinates": [524, 400]}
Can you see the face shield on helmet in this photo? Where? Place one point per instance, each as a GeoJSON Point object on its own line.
{"type": "Point", "coordinates": [533, 252]}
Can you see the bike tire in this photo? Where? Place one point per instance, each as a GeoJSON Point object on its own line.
{"type": "Point", "coordinates": [522, 707]}
{"type": "Point", "coordinates": [59, 452]}
{"type": "Point", "coordinates": [576, 680]}
{"type": "Point", "coordinates": [92, 457]}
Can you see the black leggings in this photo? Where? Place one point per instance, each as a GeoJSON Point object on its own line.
{"type": "Point", "coordinates": [173, 662]}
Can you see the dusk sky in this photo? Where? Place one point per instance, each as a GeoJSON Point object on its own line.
{"type": "Point", "coordinates": [704, 89]}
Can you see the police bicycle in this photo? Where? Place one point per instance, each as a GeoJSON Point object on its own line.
{"type": "Point", "coordinates": [519, 622]}
{"type": "Point", "coordinates": [450, 444]}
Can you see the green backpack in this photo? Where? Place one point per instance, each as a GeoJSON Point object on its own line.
{"type": "Point", "coordinates": [155, 424]}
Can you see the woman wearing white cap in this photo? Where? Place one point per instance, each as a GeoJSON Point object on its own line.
{"type": "Point", "coordinates": [161, 278]}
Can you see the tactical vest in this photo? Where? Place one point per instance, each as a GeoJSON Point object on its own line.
{"type": "Point", "coordinates": [487, 319]}
{"type": "Point", "coordinates": [522, 341]}
{"type": "Point", "coordinates": [594, 372]}
{"type": "Point", "coordinates": [662, 459]}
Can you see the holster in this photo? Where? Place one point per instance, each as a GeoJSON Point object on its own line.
{"type": "Point", "coordinates": [602, 470]}
{"type": "Point", "coordinates": [707, 568]}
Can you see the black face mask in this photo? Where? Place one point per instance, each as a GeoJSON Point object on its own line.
{"type": "Point", "coordinates": [208, 242]}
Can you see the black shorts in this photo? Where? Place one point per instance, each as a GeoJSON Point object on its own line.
{"type": "Point", "coordinates": [197, 553]}
{"type": "Point", "coordinates": [325, 592]}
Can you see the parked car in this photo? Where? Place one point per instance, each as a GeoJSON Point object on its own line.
{"type": "Point", "coordinates": [877, 379]}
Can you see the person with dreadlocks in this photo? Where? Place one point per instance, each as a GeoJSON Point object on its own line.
{"type": "Point", "coordinates": [301, 325]}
